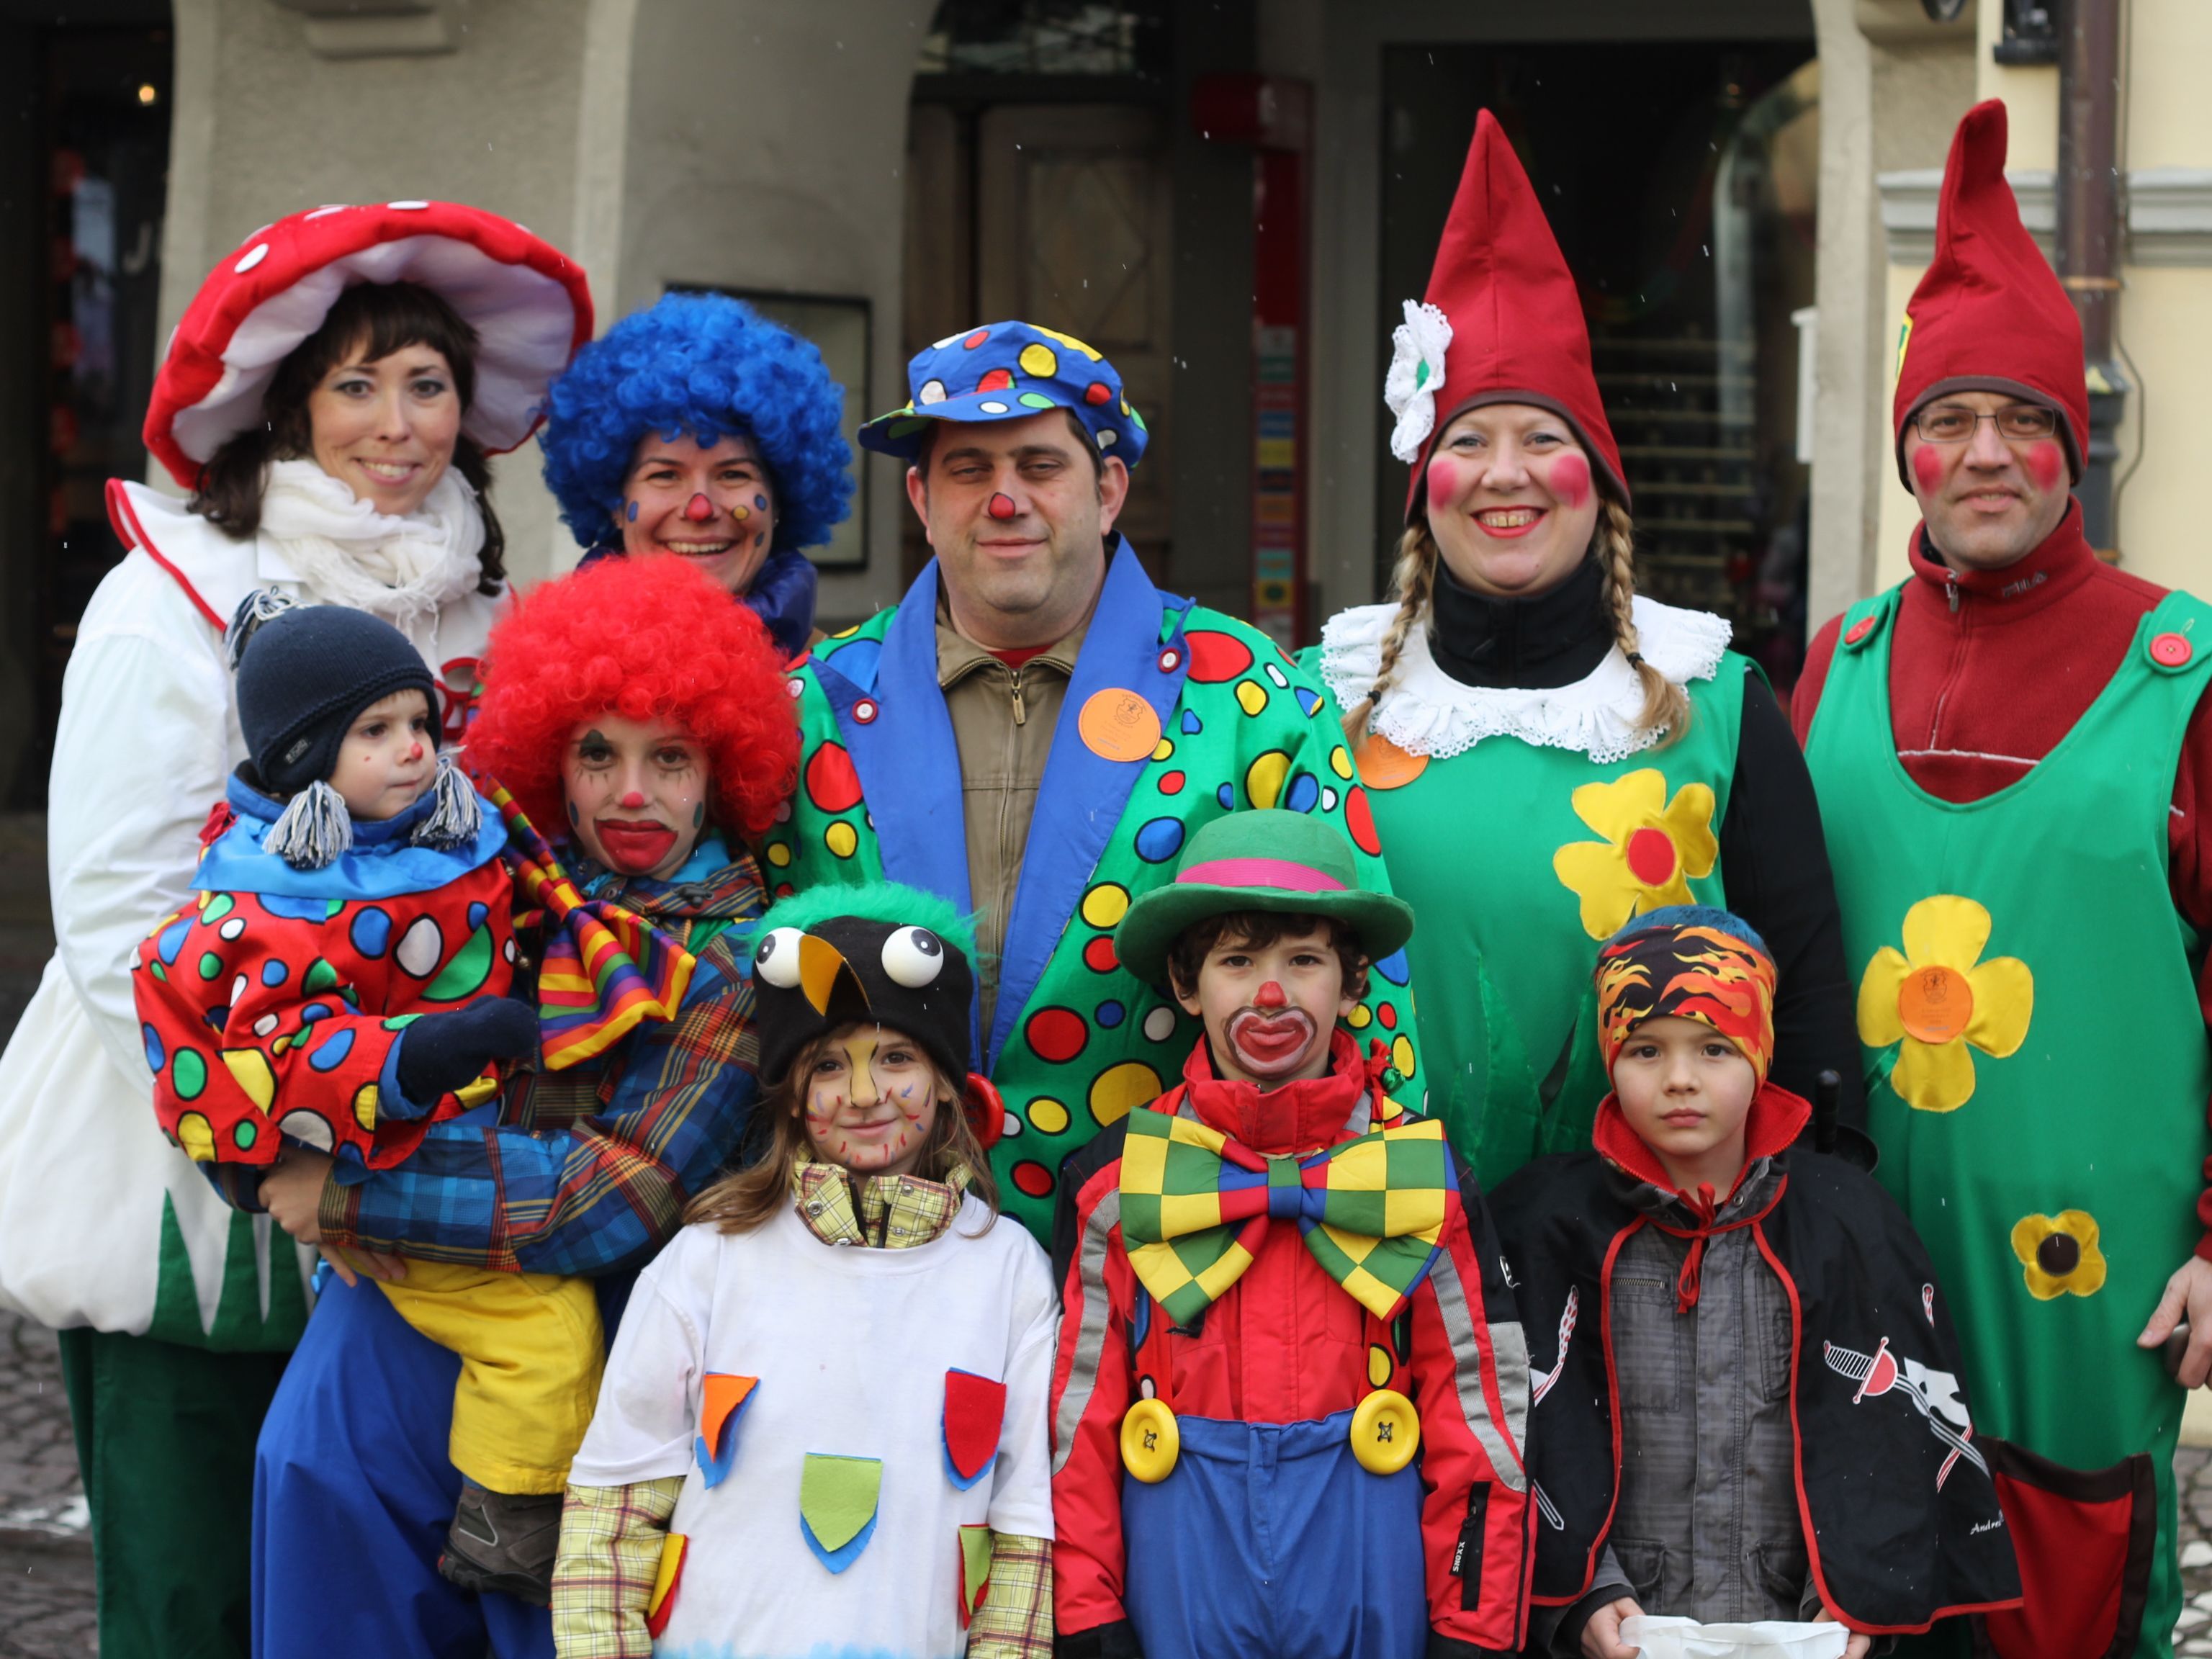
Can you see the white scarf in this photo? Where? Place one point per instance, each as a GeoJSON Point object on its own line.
{"type": "Point", "coordinates": [345, 552]}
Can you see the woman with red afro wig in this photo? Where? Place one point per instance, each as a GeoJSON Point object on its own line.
{"type": "Point", "coordinates": [636, 691]}
{"type": "Point", "coordinates": [642, 640]}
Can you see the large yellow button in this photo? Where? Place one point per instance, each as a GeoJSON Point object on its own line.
{"type": "Point", "coordinates": [1151, 1442]}
{"type": "Point", "coordinates": [1385, 1432]}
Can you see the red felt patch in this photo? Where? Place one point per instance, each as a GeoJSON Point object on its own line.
{"type": "Point", "coordinates": [832, 785]}
{"type": "Point", "coordinates": [1651, 857]}
{"type": "Point", "coordinates": [996, 379]}
{"type": "Point", "coordinates": [975, 1411]}
{"type": "Point", "coordinates": [1360, 819]}
{"type": "Point", "coordinates": [1217, 657]}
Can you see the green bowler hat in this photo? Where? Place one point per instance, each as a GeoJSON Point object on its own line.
{"type": "Point", "coordinates": [1267, 858]}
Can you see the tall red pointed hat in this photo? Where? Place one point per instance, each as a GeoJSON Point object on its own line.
{"type": "Point", "coordinates": [1991, 314]}
{"type": "Point", "coordinates": [1502, 322]}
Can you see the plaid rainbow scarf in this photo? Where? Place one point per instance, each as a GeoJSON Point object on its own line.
{"type": "Point", "coordinates": [605, 970]}
{"type": "Point", "coordinates": [1196, 1206]}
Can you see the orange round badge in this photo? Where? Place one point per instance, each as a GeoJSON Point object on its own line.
{"type": "Point", "coordinates": [1383, 765]}
{"type": "Point", "coordinates": [1119, 725]}
{"type": "Point", "coordinates": [1935, 1004]}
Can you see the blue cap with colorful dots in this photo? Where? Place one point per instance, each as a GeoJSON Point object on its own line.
{"type": "Point", "coordinates": [1004, 372]}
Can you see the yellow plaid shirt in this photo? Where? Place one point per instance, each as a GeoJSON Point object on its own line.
{"type": "Point", "coordinates": [611, 1536]}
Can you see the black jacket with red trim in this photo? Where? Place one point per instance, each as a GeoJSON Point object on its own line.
{"type": "Point", "coordinates": [1899, 1514]}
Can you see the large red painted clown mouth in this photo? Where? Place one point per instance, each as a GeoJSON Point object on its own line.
{"type": "Point", "coordinates": [634, 847]}
{"type": "Point", "coordinates": [1270, 1042]}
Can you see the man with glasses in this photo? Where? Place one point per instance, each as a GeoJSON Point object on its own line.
{"type": "Point", "coordinates": [2009, 750]}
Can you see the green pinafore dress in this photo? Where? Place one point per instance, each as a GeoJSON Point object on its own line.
{"type": "Point", "coordinates": [2036, 1075]}
{"type": "Point", "coordinates": [1519, 857]}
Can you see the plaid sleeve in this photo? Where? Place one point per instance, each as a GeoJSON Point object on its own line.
{"type": "Point", "coordinates": [611, 1540]}
{"type": "Point", "coordinates": [1014, 1621]}
{"type": "Point", "coordinates": [603, 1193]}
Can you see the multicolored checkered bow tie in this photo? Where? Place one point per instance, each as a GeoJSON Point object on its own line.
{"type": "Point", "coordinates": [1196, 1206]}
{"type": "Point", "coordinates": [605, 970]}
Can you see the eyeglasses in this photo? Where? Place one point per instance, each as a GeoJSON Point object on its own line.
{"type": "Point", "coordinates": [1949, 423]}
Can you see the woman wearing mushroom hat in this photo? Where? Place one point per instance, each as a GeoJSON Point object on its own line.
{"type": "Point", "coordinates": [328, 399]}
{"type": "Point", "coordinates": [698, 429]}
{"type": "Point", "coordinates": [1546, 752]}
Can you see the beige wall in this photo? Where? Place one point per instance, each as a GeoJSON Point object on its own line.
{"type": "Point", "coordinates": [658, 141]}
{"type": "Point", "coordinates": [2166, 309]}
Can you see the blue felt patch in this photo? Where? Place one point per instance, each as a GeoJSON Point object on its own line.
{"type": "Point", "coordinates": [958, 1479]}
{"type": "Point", "coordinates": [837, 1560]}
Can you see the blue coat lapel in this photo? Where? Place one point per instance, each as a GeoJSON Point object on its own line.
{"type": "Point", "coordinates": [908, 762]}
{"type": "Point", "coordinates": [1080, 799]}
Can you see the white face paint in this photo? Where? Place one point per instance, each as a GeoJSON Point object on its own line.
{"type": "Point", "coordinates": [870, 1101]}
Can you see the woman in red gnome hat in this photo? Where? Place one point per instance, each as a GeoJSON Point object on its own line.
{"type": "Point", "coordinates": [328, 399]}
{"type": "Point", "coordinates": [1548, 754]}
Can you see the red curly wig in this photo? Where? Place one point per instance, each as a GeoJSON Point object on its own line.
{"type": "Point", "coordinates": [645, 639]}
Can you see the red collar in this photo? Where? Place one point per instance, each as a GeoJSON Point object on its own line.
{"type": "Point", "coordinates": [2064, 562]}
{"type": "Point", "coordinates": [1295, 1118]}
{"type": "Point", "coordinates": [1776, 1118]}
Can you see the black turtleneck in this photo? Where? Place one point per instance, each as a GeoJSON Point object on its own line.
{"type": "Point", "coordinates": [1548, 640]}
{"type": "Point", "coordinates": [1774, 858]}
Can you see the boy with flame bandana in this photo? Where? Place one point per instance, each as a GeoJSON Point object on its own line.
{"type": "Point", "coordinates": [1752, 1408]}
{"type": "Point", "coordinates": [1239, 1467]}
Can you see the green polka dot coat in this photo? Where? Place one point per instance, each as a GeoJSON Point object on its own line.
{"type": "Point", "coordinates": [1174, 714]}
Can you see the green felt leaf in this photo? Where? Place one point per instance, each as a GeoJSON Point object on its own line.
{"type": "Point", "coordinates": [837, 1496]}
{"type": "Point", "coordinates": [974, 1561]}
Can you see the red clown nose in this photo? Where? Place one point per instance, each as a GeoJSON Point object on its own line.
{"type": "Point", "coordinates": [1271, 996]}
{"type": "Point", "coordinates": [699, 509]}
{"type": "Point", "coordinates": [1002, 507]}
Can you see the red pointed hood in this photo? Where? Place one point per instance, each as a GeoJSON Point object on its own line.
{"type": "Point", "coordinates": [1516, 319]}
{"type": "Point", "coordinates": [1991, 314]}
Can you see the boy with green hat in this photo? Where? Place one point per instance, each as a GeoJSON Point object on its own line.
{"type": "Point", "coordinates": [1252, 1381]}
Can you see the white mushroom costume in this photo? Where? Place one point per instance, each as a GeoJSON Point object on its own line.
{"type": "Point", "coordinates": [102, 1222]}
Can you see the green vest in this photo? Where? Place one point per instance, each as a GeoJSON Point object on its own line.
{"type": "Point", "coordinates": [2037, 1068]}
{"type": "Point", "coordinates": [1518, 860]}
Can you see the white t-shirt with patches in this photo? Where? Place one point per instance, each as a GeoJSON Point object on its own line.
{"type": "Point", "coordinates": [851, 1349]}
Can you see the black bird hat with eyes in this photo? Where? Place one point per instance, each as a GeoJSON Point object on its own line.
{"type": "Point", "coordinates": [879, 954]}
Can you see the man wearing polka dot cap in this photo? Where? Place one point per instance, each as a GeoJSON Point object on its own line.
{"type": "Point", "coordinates": [1037, 728]}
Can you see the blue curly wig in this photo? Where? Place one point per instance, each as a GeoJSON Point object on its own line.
{"type": "Point", "coordinates": [706, 366]}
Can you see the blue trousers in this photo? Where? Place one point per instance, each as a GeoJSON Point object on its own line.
{"type": "Point", "coordinates": [353, 1494]}
{"type": "Point", "coordinates": [1269, 1541]}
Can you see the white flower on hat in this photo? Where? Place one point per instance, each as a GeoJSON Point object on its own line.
{"type": "Point", "coordinates": [1417, 369]}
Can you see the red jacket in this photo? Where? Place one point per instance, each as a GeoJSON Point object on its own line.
{"type": "Point", "coordinates": [1286, 1344]}
{"type": "Point", "coordinates": [1990, 668]}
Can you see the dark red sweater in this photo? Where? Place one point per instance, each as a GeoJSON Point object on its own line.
{"type": "Point", "coordinates": [1990, 668]}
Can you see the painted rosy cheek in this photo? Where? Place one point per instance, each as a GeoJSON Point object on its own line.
{"type": "Point", "coordinates": [1445, 483]}
{"type": "Point", "coordinates": [1569, 480]}
{"type": "Point", "coordinates": [2046, 463]}
{"type": "Point", "coordinates": [1927, 469]}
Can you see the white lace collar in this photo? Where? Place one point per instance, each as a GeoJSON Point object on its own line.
{"type": "Point", "coordinates": [1426, 712]}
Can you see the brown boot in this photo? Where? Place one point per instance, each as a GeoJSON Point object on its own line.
{"type": "Point", "coordinates": [503, 1541]}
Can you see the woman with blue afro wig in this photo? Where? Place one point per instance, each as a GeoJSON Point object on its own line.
{"type": "Point", "coordinates": [699, 429]}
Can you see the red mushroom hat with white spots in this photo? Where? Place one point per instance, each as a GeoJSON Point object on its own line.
{"type": "Point", "coordinates": [1989, 315]}
{"type": "Point", "coordinates": [1502, 322]}
{"type": "Point", "coordinates": [527, 301]}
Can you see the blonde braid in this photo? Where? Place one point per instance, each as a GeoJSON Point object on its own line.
{"type": "Point", "coordinates": [1411, 579]}
{"type": "Point", "coordinates": [1666, 705]}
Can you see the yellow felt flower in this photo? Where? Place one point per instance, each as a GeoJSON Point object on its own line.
{"type": "Point", "coordinates": [2059, 1253]}
{"type": "Point", "coordinates": [1652, 849]}
{"type": "Point", "coordinates": [1938, 997]}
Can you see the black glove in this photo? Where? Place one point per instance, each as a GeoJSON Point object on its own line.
{"type": "Point", "coordinates": [441, 1052]}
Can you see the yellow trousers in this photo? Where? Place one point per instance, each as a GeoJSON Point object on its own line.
{"type": "Point", "coordinates": [531, 1351]}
